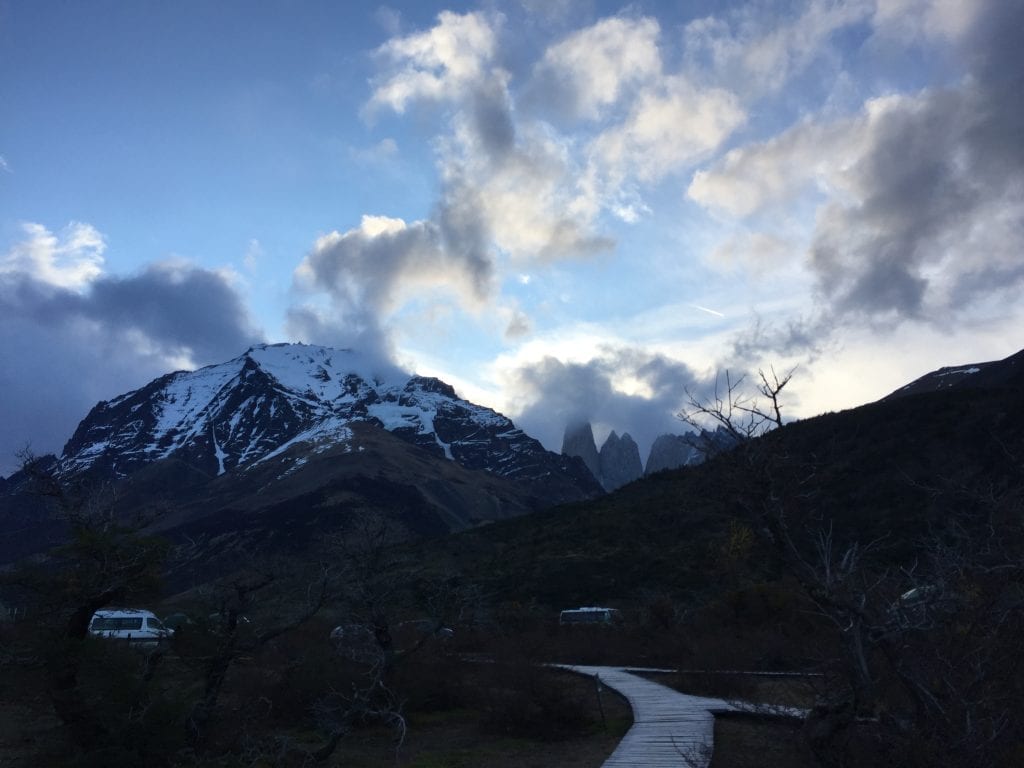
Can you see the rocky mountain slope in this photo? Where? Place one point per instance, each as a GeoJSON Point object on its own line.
{"type": "Point", "coordinates": [672, 452]}
{"type": "Point", "coordinates": [620, 461]}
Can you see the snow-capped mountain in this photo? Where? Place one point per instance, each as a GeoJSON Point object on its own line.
{"type": "Point", "coordinates": [281, 401]}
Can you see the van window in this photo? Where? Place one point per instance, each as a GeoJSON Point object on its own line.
{"type": "Point", "coordinates": [111, 624]}
{"type": "Point", "coordinates": [154, 623]}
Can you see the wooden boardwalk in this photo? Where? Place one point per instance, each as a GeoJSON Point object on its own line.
{"type": "Point", "coordinates": [669, 728]}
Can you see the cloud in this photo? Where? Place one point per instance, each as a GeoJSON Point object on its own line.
{"type": "Point", "coordinates": [70, 260]}
{"type": "Point", "coordinates": [181, 311]}
{"type": "Point", "coordinates": [670, 126]}
{"type": "Point", "coordinates": [518, 325]}
{"type": "Point", "coordinates": [754, 51]}
{"type": "Point", "coordinates": [508, 196]}
{"type": "Point", "coordinates": [622, 388]}
{"type": "Point", "coordinates": [925, 19]}
{"type": "Point", "coordinates": [590, 70]}
{"type": "Point", "coordinates": [937, 217]}
{"type": "Point", "coordinates": [507, 181]}
{"type": "Point", "coordinates": [920, 197]}
{"type": "Point", "coordinates": [367, 273]}
{"type": "Point", "coordinates": [72, 336]}
{"type": "Point", "coordinates": [4, 165]}
{"type": "Point", "coordinates": [436, 65]}
{"type": "Point", "coordinates": [810, 154]}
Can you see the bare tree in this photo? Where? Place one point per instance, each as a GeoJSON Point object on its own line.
{"type": "Point", "coordinates": [735, 409]}
{"type": "Point", "coordinates": [232, 634]}
{"type": "Point", "coordinates": [375, 586]}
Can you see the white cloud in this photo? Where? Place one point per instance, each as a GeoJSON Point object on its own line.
{"type": "Point", "coordinates": [71, 259]}
{"type": "Point", "coordinates": [526, 199]}
{"type": "Point", "coordinates": [755, 52]}
{"type": "Point", "coordinates": [520, 189]}
{"type": "Point", "coordinates": [592, 68]}
{"type": "Point", "coordinates": [668, 128]}
{"type": "Point", "coordinates": [4, 165]}
{"type": "Point", "coordinates": [438, 64]}
{"type": "Point", "coordinates": [774, 172]}
{"type": "Point", "coordinates": [926, 19]}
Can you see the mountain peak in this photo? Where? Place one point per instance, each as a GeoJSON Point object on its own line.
{"type": "Point", "coordinates": [620, 461]}
{"type": "Point", "coordinates": [277, 399]}
{"type": "Point", "coordinates": [578, 441]}
{"type": "Point", "coordinates": [1007, 373]}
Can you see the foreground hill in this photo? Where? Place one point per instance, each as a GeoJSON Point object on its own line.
{"type": "Point", "coordinates": [903, 472]}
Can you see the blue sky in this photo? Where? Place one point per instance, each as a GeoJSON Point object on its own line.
{"type": "Point", "coordinates": [566, 209]}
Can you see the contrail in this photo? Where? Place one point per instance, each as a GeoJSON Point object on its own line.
{"type": "Point", "coordinates": [709, 311]}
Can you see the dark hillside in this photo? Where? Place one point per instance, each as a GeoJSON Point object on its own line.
{"type": "Point", "coordinates": [882, 547]}
{"type": "Point", "coordinates": [897, 469]}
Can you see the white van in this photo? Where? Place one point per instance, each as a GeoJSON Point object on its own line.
{"type": "Point", "coordinates": [132, 624]}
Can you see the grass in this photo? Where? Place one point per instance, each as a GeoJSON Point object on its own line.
{"type": "Point", "coordinates": [751, 741]}
{"type": "Point", "coordinates": [461, 738]}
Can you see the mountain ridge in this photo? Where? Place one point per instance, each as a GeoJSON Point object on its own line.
{"type": "Point", "coordinates": [253, 408]}
{"type": "Point", "coordinates": [291, 438]}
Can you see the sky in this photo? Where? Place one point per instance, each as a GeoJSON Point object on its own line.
{"type": "Point", "coordinates": [568, 209]}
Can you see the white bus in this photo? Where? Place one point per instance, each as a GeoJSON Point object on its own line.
{"type": "Point", "coordinates": [591, 615]}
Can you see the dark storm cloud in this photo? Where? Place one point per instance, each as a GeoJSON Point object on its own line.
{"type": "Point", "coordinates": [560, 393]}
{"type": "Point", "coordinates": [940, 214]}
{"type": "Point", "coordinates": [62, 351]}
{"type": "Point", "coordinates": [187, 309]}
